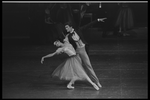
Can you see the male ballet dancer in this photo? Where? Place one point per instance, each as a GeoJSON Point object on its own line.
{"type": "Point", "coordinates": [83, 54]}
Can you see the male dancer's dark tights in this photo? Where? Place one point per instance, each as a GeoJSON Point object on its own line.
{"type": "Point", "coordinates": [87, 48]}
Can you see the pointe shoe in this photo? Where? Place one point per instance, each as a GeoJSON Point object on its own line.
{"type": "Point", "coordinates": [70, 87]}
{"type": "Point", "coordinates": [95, 86]}
{"type": "Point", "coordinates": [99, 85]}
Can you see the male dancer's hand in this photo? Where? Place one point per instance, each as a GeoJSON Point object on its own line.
{"type": "Point", "coordinates": [75, 37]}
{"type": "Point", "coordinates": [42, 60]}
{"type": "Point", "coordinates": [101, 19]}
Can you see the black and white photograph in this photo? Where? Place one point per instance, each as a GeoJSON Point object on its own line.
{"type": "Point", "coordinates": [74, 49]}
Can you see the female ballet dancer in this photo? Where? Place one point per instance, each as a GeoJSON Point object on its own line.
{"type": "Point", "coordinates": [125, 19]}
{"type": "Point", "coordinates": [83, 54]}
{"type": "Point", "coordinates": [71, 69]}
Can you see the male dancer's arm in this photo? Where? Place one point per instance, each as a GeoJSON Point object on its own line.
{"type": "Point", "coordinates": [91, 23]}
{"type": "Point", "coordinates": [77, 39]}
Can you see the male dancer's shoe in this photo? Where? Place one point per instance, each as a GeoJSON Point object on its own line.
{"type": "Point", "coordinates": [95, 86]}
{"type": "Point", "coordinates": [99, 85]}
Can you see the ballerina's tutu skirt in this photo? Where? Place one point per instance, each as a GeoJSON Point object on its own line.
{"type": "Point", "coordinates": [71, 68]}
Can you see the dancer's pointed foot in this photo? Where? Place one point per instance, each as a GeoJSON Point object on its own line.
{"type": "Point", "coordinates": [99, 85]}
{"type": "Point", "coordinates": [69, 86]}
{"type": "Point", "coordinates": [95, 86]}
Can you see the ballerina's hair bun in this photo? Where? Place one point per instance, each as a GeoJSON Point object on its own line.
{"type": "Point", "coordinates": [56, 42]}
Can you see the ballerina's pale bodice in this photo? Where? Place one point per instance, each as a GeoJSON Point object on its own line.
{"type": "Point", "coordinates": [68, 49]}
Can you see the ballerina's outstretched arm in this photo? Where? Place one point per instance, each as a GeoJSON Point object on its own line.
{"type": "Point", "coordinates": [58, 51]}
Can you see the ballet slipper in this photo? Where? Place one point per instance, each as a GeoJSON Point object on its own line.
{"type": "Point", "coordinates": [70, 87]}
{"type": "Point", "coordinates": [99, 85]}
{"type": "Point", "coordinates": [95, 86]}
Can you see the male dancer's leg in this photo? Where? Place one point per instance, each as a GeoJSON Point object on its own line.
{"type": "Point", "coordinates": [87, 48]}
{"type": "Point", "coordinates": [86, 62]}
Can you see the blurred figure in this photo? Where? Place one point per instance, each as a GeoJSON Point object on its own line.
{"type": "Point", "coordinates": [50, 27]}
{"type": "Point", "coordinates": [124, 20]}
{"type": "Point", "coordinates": [56, 16]}
{"type": "Point", "coordinates": [111, 13]}
{"type": "Point", "coordinates": [82, 11]}
{"type": "Point", "coordinates": [64, 14]}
